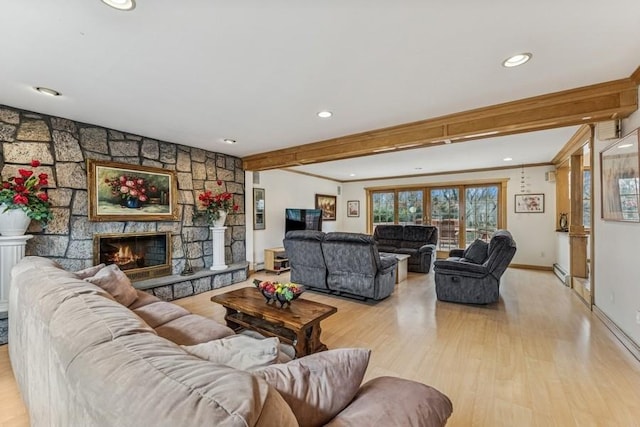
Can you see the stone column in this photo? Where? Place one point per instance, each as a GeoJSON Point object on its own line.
{"type": "Point", "coordinates": [11, 251]}
{"type": "Point", "coordinates": [217, 236]}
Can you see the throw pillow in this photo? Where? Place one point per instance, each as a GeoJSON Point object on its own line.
{"type": "Point", "coordinates": [114, 281]}
{"type": "Point", "coordinates": [477, 251]}
{"type": "Point", "coordinates": [238, 351]}
{"type": "Point", "coordinates": [89, 272]}
{"type": "Point", "coordinates": [317, 387]}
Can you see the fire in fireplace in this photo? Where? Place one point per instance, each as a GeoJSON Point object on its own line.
{"type": "Point", "coordinates": [139, 255]}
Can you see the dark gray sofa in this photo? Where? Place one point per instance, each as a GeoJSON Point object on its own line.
{"type": "Point", "coordinates": [340, 263]}
{"type": "Point", "coordinates": [418, 241]}
{"type": "Point", "coordinates": [471, 276]}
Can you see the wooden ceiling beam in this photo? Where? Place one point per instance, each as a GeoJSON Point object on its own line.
{"type": "Point", "coordinates": [604, 101]}
{"type": "Point", "coordinates": [577, 141]}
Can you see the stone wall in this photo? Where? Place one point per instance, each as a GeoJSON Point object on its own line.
{"type": "Point", "coordinates": [63, 146]}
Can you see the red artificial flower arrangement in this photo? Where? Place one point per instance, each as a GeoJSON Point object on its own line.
{"type": "Point", "coordinates": [214, 203]}
{"type": "Point", "coordinates": [25, 192]}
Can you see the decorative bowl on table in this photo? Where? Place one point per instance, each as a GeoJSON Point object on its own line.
{"type": "Point", "coordinates": [283, 293]}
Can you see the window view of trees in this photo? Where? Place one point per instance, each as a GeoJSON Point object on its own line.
{"type": "Point", "coordinates": [481, 213]}
{"type": "Point", "coordinates": [586, 198]}
{"type": "Point", "coordinates": [443, 208]}
{"type": "Point", "coordinates": [383, 208]}
{"type": "Point", "coordinates": [410, 207]}
{"type": "Point", "coordinates": [445, 214]}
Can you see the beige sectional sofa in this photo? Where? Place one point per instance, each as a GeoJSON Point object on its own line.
{"type": "Point", "coordinates": [83, 359]}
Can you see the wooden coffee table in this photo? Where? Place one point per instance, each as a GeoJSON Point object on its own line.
{"type": "Point", "coordinates": [297, 325]}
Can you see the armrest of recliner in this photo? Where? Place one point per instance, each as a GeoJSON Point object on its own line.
{"type": "Point", "coordinates": [459, 253]}
{"type": "Point", "coordinates": [427, 249]}
{"type": "Point", "coordinates": [387, 262]}
{"type": "Point", "coordinates": [460, 268]}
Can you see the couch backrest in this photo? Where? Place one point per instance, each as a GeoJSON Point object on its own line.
{"type": "Point", "coordinates": [416, 236]}
{"type": "Point", "coordinates": [353, 253]}
{"type": "Point", "coordinates": [81, 358]}
{"type": "Point", "coordinates": [501, 250]}
{"type": "Point", "coordinates": [388, 235]}
{"type": "Point", "coordinates": [304, 250]}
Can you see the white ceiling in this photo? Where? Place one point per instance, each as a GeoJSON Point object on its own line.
{"type": "Point", "coordinates": [195, 72]}
{"type": "Point", "coordinates": [525, 148]}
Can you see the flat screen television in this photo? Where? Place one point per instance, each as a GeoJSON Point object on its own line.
{"type": "Point", "coordinates": [303, 219]}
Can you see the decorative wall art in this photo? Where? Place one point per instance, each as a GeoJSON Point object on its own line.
{"type": "Point", "coordinates": [258, 209]}
{"type": "Point", "coordinates": [353, 208]}
{"type": "Point", "coordinates": [619, 176]}
{"type": "Point", "coordinates": [328, 206]}
{"type": "Point", "coordinates": [123, 192]}
{"type": "Point", "coordinates": [529, 203]}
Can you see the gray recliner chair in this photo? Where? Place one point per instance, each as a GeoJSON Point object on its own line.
{"type": "Point", "coordinates": [473, 275]}
{"type": "Point", "coordinates": [355, 267]}
{"type": "Point", "coordinates": [304, 250]}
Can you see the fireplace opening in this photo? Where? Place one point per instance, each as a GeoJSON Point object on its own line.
{"type": "Point", "coordinates": [139, 255]}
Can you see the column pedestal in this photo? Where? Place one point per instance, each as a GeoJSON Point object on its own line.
{"type": "Point", "coordinates": [11, 251]}
{"type": "Point", "coordinates": [217, 237]}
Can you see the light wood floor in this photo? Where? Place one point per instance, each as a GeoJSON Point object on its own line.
{"type": "Point", "coordinates": [537, 358]}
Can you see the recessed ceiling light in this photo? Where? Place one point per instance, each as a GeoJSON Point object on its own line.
{"type": "Point", "coordinates": [418, 169]}
{"type": "Point", "coordinates": [625, 145]}
{"type": "Point", "coordinates": [325, 114]}
{"type": "Point", "coordinates": [507, 159]}
{"type": "Point", "coordinates": [516, 60]}
{"type": "Point", "coordinates": [47, 91]}
{"type": "Point", "coordinates": [352, 174]}
{"type": "Point", "coordinates": [229, 141]}
{"type": "Point", "coordinates": [121, 4]}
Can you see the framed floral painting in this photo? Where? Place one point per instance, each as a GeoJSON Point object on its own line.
{"type": "Point", "coordinates": [123, 192]}
{"type": "Point", "coordinates": [529, 203]}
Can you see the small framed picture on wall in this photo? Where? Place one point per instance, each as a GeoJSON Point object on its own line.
{"type": "Point", "coordinates": [353, 208]}
{"type": "Point", "coordinates": [529, 203]}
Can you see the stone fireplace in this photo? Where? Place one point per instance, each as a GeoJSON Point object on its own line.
{"type": "Point", "coordinates": [139, 255]}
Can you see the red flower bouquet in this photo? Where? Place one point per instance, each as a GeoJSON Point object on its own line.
{"type": "Point", "coordinates": [25, 192]}
{"type": "Point", "coordinates": [214, 203]}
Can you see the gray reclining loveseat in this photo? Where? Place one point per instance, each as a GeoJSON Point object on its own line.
{"type": "Point", "coordinates": [418, 241]}
{"type": "Point", "coordinates": [473, 275]}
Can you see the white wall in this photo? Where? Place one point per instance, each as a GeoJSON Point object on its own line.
{"type": "Point", "coordinates": [283, 190]}
{"type": "Point", "coordinates": [617, 277]}
{"type": "Point", "coordinates": [534, 233]}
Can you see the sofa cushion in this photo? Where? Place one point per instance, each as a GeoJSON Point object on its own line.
{"type": "Point", "coordinates": [238, 351]}
{"type": "Point", "coordinates": [114, 281]}
{"type": "Point", "coordinates": [318, 386]}
{"type": "Point", "coordinates": [193, 329]}
{"type": "Point", "coordinates": [386, 401]}
{"type": "Point", "coordinates": [143, 299]}
{"type": "Point", "coordinates": [89, 272]}
{"type": "Point", "coordinates": [477, 251]}
{"type": "Point", "coordinates": [160, 312]}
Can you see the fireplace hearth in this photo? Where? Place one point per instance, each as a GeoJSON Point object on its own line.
{"type": "Point", "coordinates": [139, 255]}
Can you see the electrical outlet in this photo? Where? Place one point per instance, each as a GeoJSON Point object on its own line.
{"type": "Point", "coordinates": [541, 254]}
{"type": "Point", "coordinates": [638, 317]}
{"type": "Point", "coordinates": [612, 297]}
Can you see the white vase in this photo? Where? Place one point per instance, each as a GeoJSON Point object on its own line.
{"type": "Point", "coordinates": [13, 222]}
{"type": "Point", "coordinates": [222, 217]}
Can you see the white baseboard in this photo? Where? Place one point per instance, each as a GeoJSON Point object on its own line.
{"type": "Point", "coordinates": [626, 341]}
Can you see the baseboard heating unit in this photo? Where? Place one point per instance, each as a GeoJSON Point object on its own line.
{"type": "Point", "coordinates": [562, 274]}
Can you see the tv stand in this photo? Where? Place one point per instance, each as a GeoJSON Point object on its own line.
{"type": "Point", "coordinates": [275, 260]}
